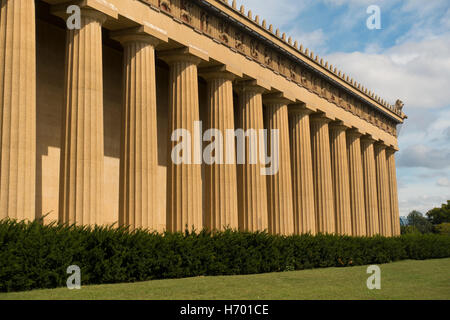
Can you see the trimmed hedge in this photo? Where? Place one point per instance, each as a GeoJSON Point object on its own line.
{"type": "Point", "coordinates": [33, 255]}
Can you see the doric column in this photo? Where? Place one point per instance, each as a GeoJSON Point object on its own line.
{"type": "Point", "coordinates": [370, 186]}
{"type": "Point", "coordinates": [221, 208]}
{"type": "Point", "coordinates": [139, 145]}
{"type": "Point", "coordinates": [252, 186]}
{"type": "Point", "coordinates": [323, 181]}
{"type": "Point", "coordinates": [384, 205]}
{"type": "Point", "coordinates": [356, 183]}
{"type": "Point", "coordinates": [184, 180]}
{"type": "Point", "coordinates": [302, 172]}
{"type": "Point", "coordinates": [17, 109]}
{"type": "Point", "coordinates": [81, 177]}
{"type": "Point", "coordinates": [340, 172]}
{"type": "Point", "coordinates": [393, 193]}
{"type": "Point", "coordinates": [279, 183]}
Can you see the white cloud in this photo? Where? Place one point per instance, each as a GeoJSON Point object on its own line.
{"type": "Point", "coordinates": [420, 202]}
{"type": "Point", "coordinates": [443, 182]}
{"type": "Point", "coordinates": [279, 13]}
{"type": "Point", "coordinates": [315, 40]}
{"type": "Point", "coordinates": [415, 72]}
{"type": "Point", "coordinates": [424, 156]}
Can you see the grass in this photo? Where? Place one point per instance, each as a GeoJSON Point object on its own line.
{"type": "Point", "coordinates": [410, 279]}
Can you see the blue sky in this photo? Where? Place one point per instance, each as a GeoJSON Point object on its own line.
{"type": "Point", "coordinates": [407, 59]}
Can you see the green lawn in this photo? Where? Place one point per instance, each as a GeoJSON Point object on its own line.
{"type": "Point", "coordinates": [409, 279]}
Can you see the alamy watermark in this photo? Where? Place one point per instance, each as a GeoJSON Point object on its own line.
{"type": "Point", "coordinates": [252, 147]}
{"type": "Point", "coordinates": [374, 281]}
{"type": "Point", "coordinates": [74, 20]}
{"type": "Point", "coordinates": [374, 20]}
{"type": "Point", "coordinates": [74, 280]}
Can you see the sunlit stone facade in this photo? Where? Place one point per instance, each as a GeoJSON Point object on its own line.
{"type": "Point", "coordinates": [87, 116]}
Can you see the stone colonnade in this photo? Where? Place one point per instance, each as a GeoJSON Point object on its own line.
{"type": "Point", "coordinates": [331, 178]}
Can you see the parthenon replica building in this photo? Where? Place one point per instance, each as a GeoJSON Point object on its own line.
{"type": "Point", "coordinates": [87, 116]}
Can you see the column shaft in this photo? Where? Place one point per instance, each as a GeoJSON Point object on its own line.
{"type": "Point", "coordinates": [302, 172]}
{"type": "Point", "coordinates": [279, 183]}
{"type": "Point", "coordinates": [323, 182]}
{"type": "Point", "coordinates": [356, 184]}
{"type": "Point", "coordinates": [17, 109]}
{"type": "Point", "coordinates": [139, 144]}
{"type": "Point", "coordinates": [81, 177]}
{"type": "Point", "coordinates": [184, 180]}
{"type": "Point", "coordinates": [341, 184]}
{"type": "Point", "coordinates": [221, 181]}
{"type": "Point", "coordinates": [393, 194]}
{"type": "Point", "coordinates": [384, 205]}
{"type": "Point", "coordinates": [370, 186]}
{"type": "Point", "coordinates": [252, 187]}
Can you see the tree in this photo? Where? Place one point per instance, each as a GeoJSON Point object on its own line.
{"type": "Point", "coordinates": [417, 220]}
{"type": "Point", "coordinates": [439, 215]}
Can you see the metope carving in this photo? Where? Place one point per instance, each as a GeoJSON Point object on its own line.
{"type": "Point", "coordinates": [166, 5]}
{"type": "Point", "coordinates": [205, 24]}
{"type": "Point", "coordinates": [186, 11]}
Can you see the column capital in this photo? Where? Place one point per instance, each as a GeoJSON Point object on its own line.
{"type": "Point", "coordinates": [319, 117]}
{"type": "Point", "coordinates": [139, 34]}
{"type": "Point", "coordinates": [299, 109]}
{"type": "Point", "coordinates": [185, 54]}
{"type": "Point", "coordinates": [354, 133]}
{"type": "Point", "coordinates": [380, 145]}
{"type": "Point", "coordinates": [219, 72]}
{"type": "Point", "coordinates": [249, 86]}
{"type": "Point", "coordinates": [275, 98]}
{"type": "Point", "coordinates": [390, 151]}
{"type": "Point", "coordinates": [368, 139]}
{"type": "Point", "coordinates": [94, 9]}
{"type": "Point", "coordinates": [338, 125]}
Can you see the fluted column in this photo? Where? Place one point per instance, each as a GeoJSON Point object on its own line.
{"type": "Point", "coordinates": [393, 193]}
{"type": "Point", "coordinates": [356, 183]}
{"type": "Point", "coordinates": [279, 184]}
{"type": "Point", "coordinates": [323, 181]}
{"type": "Point", "coordinates": [139, 145]}
{"type": "Point", "coordinates": [370, 186]}
{"type": "Point", "coordinates": [302, 172]}
{"type": "Point", "coordinates": [17, 109]}
{"type": "Point", "coordinates": [81, 177]}
{"type": "Point", "coordinates": [221, 208]}
{"type": "Point", "coordinates": [384, 205]}
{"type": "Point", "coordinates": [184, 180]}
{"type": "Point", "coordinates": [252, 187]}
{"type": "Point", "coordinates": [341, 184]}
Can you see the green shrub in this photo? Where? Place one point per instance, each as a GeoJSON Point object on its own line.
{"type": "Point", "coordinates": [33, 255]}
{"type": "Point", "coordinates": [443, 228]}
{"type": "Point", "coordinates": [409, 230]}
